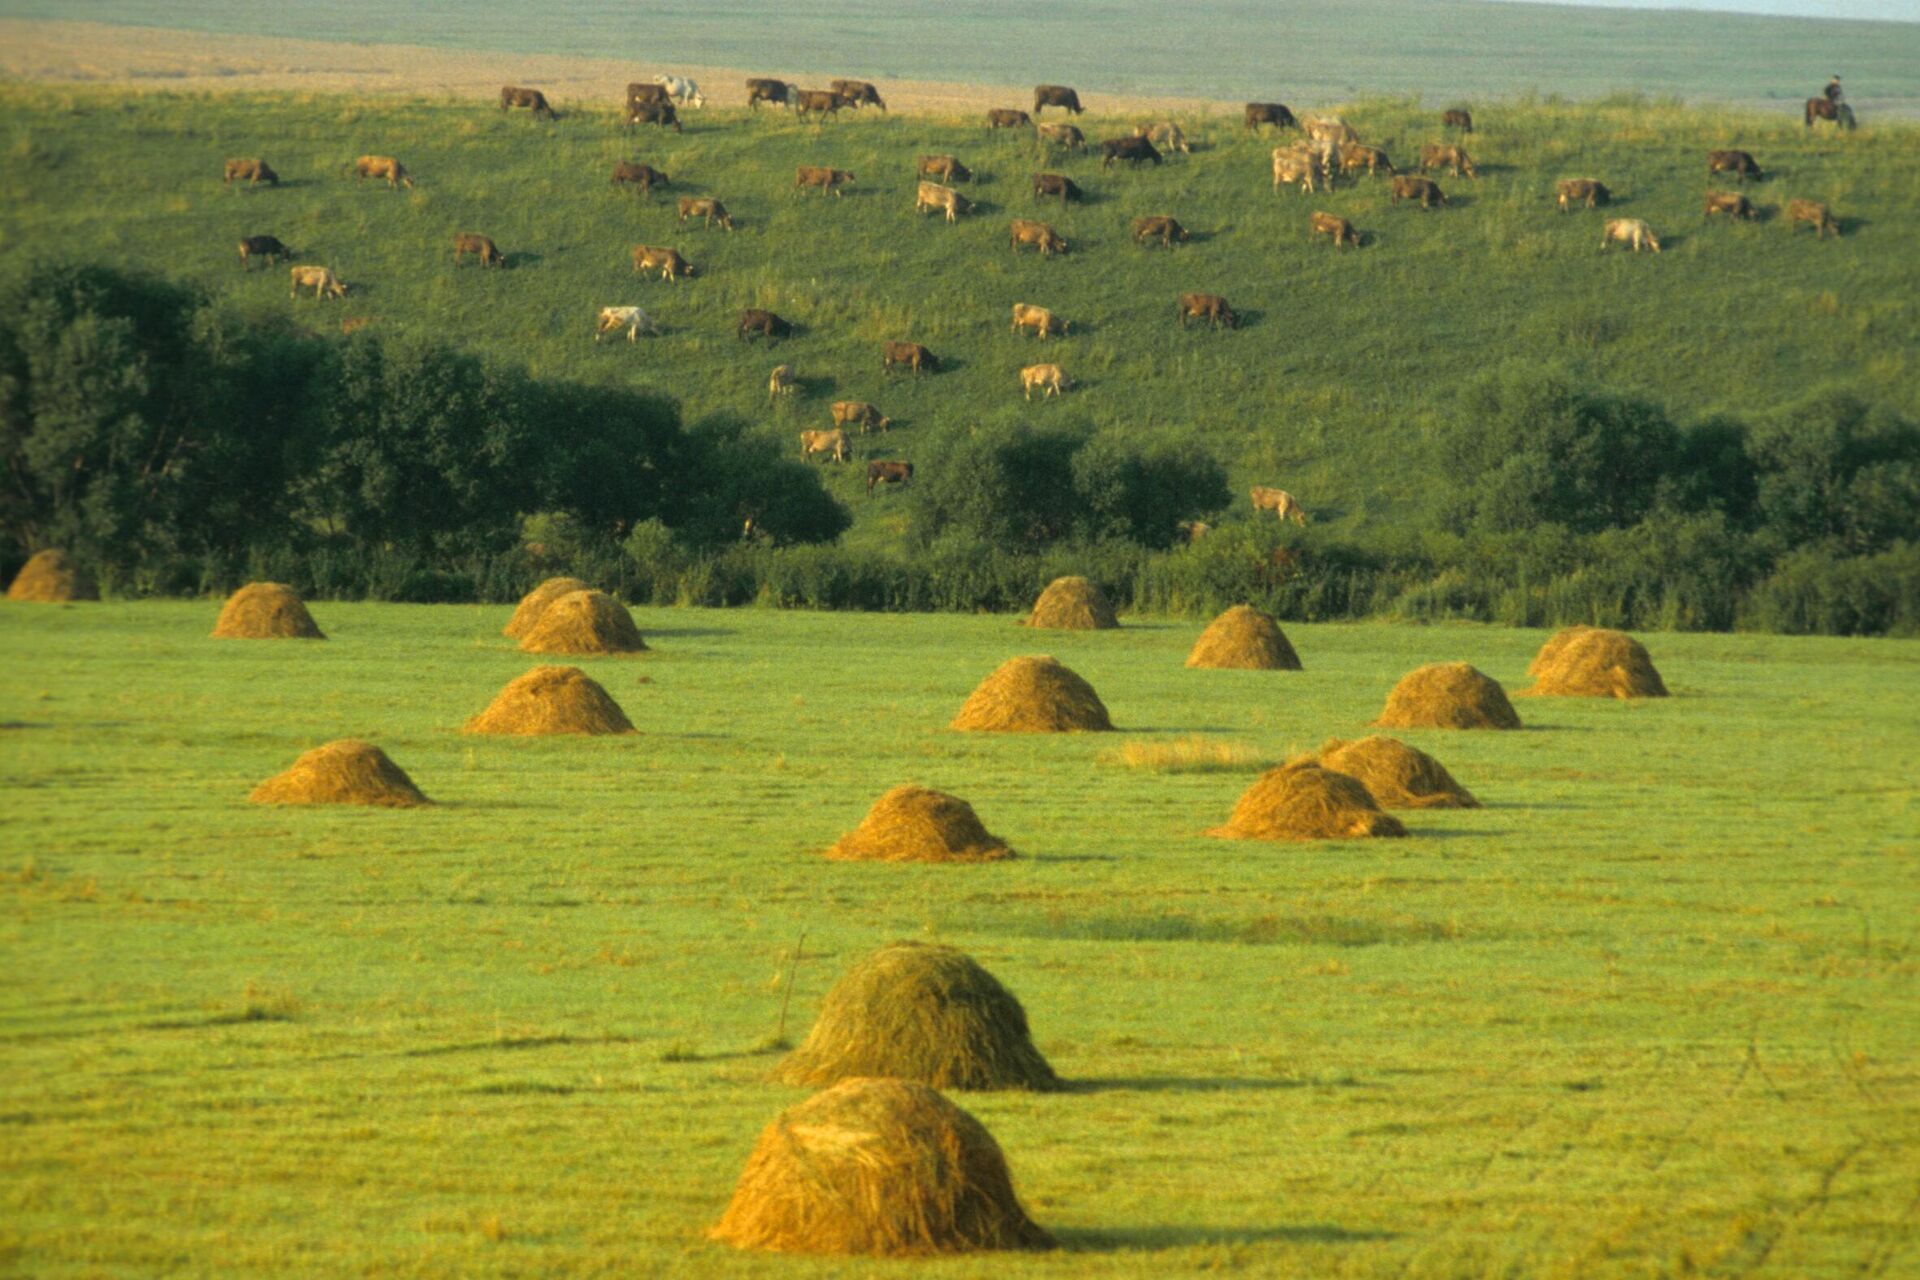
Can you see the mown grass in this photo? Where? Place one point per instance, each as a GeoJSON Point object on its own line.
{"type": "Point", "coordinates": [1649, 1012]}
{"type": "Point", "coordinates": [1330, 388]}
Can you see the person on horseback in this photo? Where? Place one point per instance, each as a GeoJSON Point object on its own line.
{"type": "Point", "coordinates": [1833, 90]}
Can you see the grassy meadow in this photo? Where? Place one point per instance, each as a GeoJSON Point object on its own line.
{"type": "Point", "coordinates": [1330, 388]}
{"type": "Point", "coordinates": [1650, 1012]}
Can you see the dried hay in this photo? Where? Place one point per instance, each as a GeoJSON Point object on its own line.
{"type": "Point", "coordinates": [1593, 662]}
{"type": "Point", "coordinates": [1072, 604]}
{"type": "Point", "coordinates": [913, 824]}
{"type": "Point", "coordinates": [1033, 695]}
{"type": "Point", "coordinates": [1194, 753]}
{"type": "Point", "coordinates": [535, 602]}
{"type": "Point", "coordinates": [877, 1167]}
{"type": "Point", "coordinates": [583, 622]}
{"type": "Point", "coordinates": [343, 772]}
{"type": "Point", "coordinates": [265, 611]}
{"type": "Point", "coordinates": [913, 1011]}
{"type": "Point", "coordinates": [1448, 695]}
{"type": "Point", "coordinates": [1396, 775]}
{"type": "Point", "coordinates": [52, 577]}
{"type": "Point", "coordinates": [1244, 639]}
{"type": "Point", "coordinates": [1302, 801]}
{"type": "Point", "coordinates": [552, 700]}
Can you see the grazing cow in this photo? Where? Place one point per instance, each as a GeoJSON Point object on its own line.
{"type": "Point", "coordinates": [1164, 133]}
{"type": "Point", "coordinates": [783, 381]}
{"type": "Point", "coordinates": [945, 168]}
{"type": "Point", "coordinates": [707, 209]}
{"type": "Point", "coordinates": [1273, 113]}
{"type": "Point", "coordinates": [1054, 184]}
{"type": "Point", "coordinates": [765, 89]}
{"type": "Point", "coordinates": [681, 90]}
{"type": "Point", "coordinates": [1731, 203]}
{"type": "Point", "coordinates": [262, 247]}
{"type": "Point", "coordinates": [1278, 501]}
{"type": "Point", "coordinates": [832, 443]}
{"type": "Point", "coordinates": [857, 93]}
{"type": "Point", "coordinates": [1062, 135]}
{"type": "Point", "coordinates": [1631, 232]}
{"type": "Point", "coordinates": [1330, 129]}
{"type": "Point", "coordinates": [1290, 166]}
{"type": "Point", "coordinates": [1372, 159]}
{"type": "Point", "coordinates": [808, 102]}
{"type": "Point", "coordinates": [668, 262]}
{"type": "Point", "coordinates": [254, 172]}
{"type": "Point", "coordinates": [643, 176]}
{"type": "Point", "coordinates": [887, 473]}
{"type": "Point", "coordinates": [1457, 118]}
{"type": "Point", "coordinates": [320, 279]}
{"type": "Point", "coordinates": [1038, 319]}
{"type": "Point", "coordinates": [1055, 95]}
{"type": "Point", "coordinates": [1425, 190]}
{"type": "Point", "coordinates": [383, 167]}
{"type": "Point", "coordinates": [1050, 378]}
{"type": "Point", "coordinates": [531, 99]}
{"type": "Point", "coordinates": [1738, 163]}
{"type": "Point", "coordinates": [640, 94]}
{"type": "Point", "coordinates": [1159, 227]}
{"type": "Point", "coordinates": [931, 195]}
{"type": "Point", "coordinates": [1815, 213]}
{"type": "Point", "coordinates": [1008, 118]}
{"type": "Point", "coordinates": [826, 179]}
{"type": "Point", "coordinates": [1132, 150]}
{"type": "Point", "coordinates": [1026, 231]}
{"type": "Point", "coordinates": [632, 319]}
{"type": "Point", "coordinates": [1584, 190]}
{"type": "Point", "coordinates": [1191, 531]}
{"type": "Point", "coordinates": [1444, 155]}
{"type": "Point", "coordinates": [910, 354]}
{"type": "Point", "coordinates": [660, 113]}
{"type": "Point", "coordinates": [765, 323]}
{"type": "Point", "coordinates": [1329, 224]}
{"type": "Point", "coordinates": [1210, 307]}
{"type": "Point", "coordinates": [1827, 109]}
{"type": "Point", "coordinates": [482, 247]}
{"type": "Point", "coordinates": [858, 413]}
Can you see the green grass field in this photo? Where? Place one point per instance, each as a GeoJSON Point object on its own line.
{"type": "Point", "coordinates": [1330, 389]}
{"type": "Point", "coordinates": [1650, 1012]}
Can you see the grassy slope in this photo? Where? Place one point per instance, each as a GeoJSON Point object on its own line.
{"type": "Point", "coordinates": [1648, 1012]}
{"type": "Point", "coordinates": [1326, 390]}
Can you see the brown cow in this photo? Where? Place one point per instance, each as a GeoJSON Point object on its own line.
{"type": "Point", "coordinates": [765, 323]}
{"type": "Point", "coordinates": [1632, 232]}
{"type": "Point", "coordinates": [1063, 135]}
{"type": "Point", "coordinates": [1038, 319]}
{"type": "Point", "coordinates": [643, 176]}
{"type": "Point", "coordinates": [887, 473]}
{"type": "Point", "coordinates": [832, 443]}
{"type": "Point", "coordinates": [668, 262]}
{"type": "Point", "coordinates": [1329, 224]}
{"type": "Point", "coordinates": [1815, 213]}
{"type": "Point", "coordinates": [1159, 227]}
{"type": "Point", "coordinates": [707, 209]}
{"type": "Point", "coordinates": [1050, 378]}
{"type": "Point", "coordinates": [826, 179]}
{"type": "Point", "coordinates": [383, 167]}
{"type": "Point", "coordinates": [1278, 501]}
{"type": "Point", "coordinates": [1738, 163]}
{"type": "Point", "coordinates": [320, 279]}
{"type": "Point", "coordinates": [1026, 231]}
{"type": "Point", "coordinates": [1132, 150]}
{"type": "Point", "coordinates": [482, 247]}
{"type": "Point", "coordinates": [1164, 133]}
{"type": "Point", "coordinates": [1457, 118]}
{"type": "Point", "coordinates": [1438, 155]}
{"type": "Point", "coordinates": [1290, 166]}
{"type": "Point", "coordinates": [254, 171]}
{"type": "Point", "coordinates": [1372, 159]}
{"type": "Point", "coordinates": [1587, 191]}
{"type": "Point", "coordinates": [807, 102]}
{"type": "Point", "coordinates": [911, 354]}
{"type": "Point", "coordinates": [931, 195]}
{"type": "Point", "coordinates": [1273, 113]}
{"type": "Point", "coordinates": [638, 93]}
{"type": "Point", "coordinates": [858, 413]}
{"type": "Point", "coordinates": [1008, 118]}
{"type": "Point", "coordinates": [766, 89]}
{"type": "Point", "coordinates": [857, 93]}
{"type": "Point", "coordinates": [945, 168]}
{"type": "Point", "coordinates": [262, 247]}
{"type": "Point", "coordinates": [1210, 307]}
{"type": "Point", "coordinates": [1731, 203]}
{"type": "Point", "coordinates": [1425, 190]}
{"type": "Point", "coordinates": [663, 114]}
{"type": "Point", "coordinates": [1055, 95]}
{"type": "Point", "coordinates": [1054, 184]}
{"type": "Point", "coordinates": [531, 99]}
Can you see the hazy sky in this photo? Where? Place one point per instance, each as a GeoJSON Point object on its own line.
{"type": "Point", "coordinates": [1897, 10]}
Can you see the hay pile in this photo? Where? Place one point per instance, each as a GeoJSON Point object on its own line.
{"type": "Point", "coordinates": [884, 1168]}
{"type": "Point", "coordinates": [535, 602]}
{"type": "Point", "coordinates": [919, 1012]}
{"type": "Point", "coordinates": [1244, 639]}
{"type": "Point", "coordinates": [1593, 662]}
{"type": "Point", "coordinates": [583, 622]}
{"type": "Point", "coordinates": [1302, 801]}
{"type": "Point", "coordinates": [265, 611]}
{"type": "Point", "coordinates": [343, 772]}
{"type": "Point", "coordinates": [1072, 604]}
{"type": "Point", "coordinates": [552, 700]}
{"type": "Point", "coordinates": [52, 577]}
{"type": "Point", "coordinates": [1033, 695]}
{"type": "Point", "coordinates": [1396, 775]}
{"type": "Point", "coordinates": [1448, 695]}
{"type": "Point", "coordinates": [913, 824]}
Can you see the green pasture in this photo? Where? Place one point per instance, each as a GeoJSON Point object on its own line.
{"type": "Point", "coordinates": [1650, 1012]}
{"type": "Point", "coordinates": [1346, 360]}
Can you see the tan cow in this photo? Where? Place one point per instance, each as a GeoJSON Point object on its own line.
{"type": "Point", "coordinates": [1289, 167]}
{"type": "Point", "coordinates": [808, 175]}
{"type": "Point", "coordinates": [858, 413]}
{"type": "Point", "coordinates": [481, 247]}
{"type": "Point", "coordinates": [1038, 319]}
{"type": "Point", "coordinates": [1814, 213]}
{"type": "Point", "coordinates": [1330, 129]}
{"type": "Point", "coordinates": [945, 168]}
{"type": "Point", "coordinates": [632, 319]}
{"type": "Point", "coordinates": [1050, 378]}
{"type": "Point", "coordinates": [383, 167]}
{"type": "Point", "coordinates": [668, 262]}
{"type": "Point", "coordinates": [1331, 224]}
{"type": "Point", "coordinates": [1278, 501]}
{"type": "Point", "coordinates": [320, 279]}
{"type": "Point", "coordinates": [1210, 307]}
{"type": "Point", "coordinates": [254, 172]}
{"type": "Point", "coordinates": [782, 381]}
{"type": "Point", "coordinates": [1437, 155]}
{"type": "Point", "coordinates": [707, 209]}
{"type": "Point", "coordinates": [1026, 231]}
{"type": "Point", "coordinates": [832, 443]}
{"type": "Point", "coordinates": [1164, 134]}
{"type": "Point", "coordinates": [1629, 231]}
{"type": "Point", "coordinates": [1731, 203]}
{"type": "Point", "coordinates": [931, 195]}
{"type": "Point", "coordinates": [1063, 135]}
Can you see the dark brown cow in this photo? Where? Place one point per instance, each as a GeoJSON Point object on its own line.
{"type": "Point", "coordinates": [531, 99]}
{"type": "Point", "coordinates": [1372, 159]}
{"type": "Point", "coordinates": [1585, 191]}
{"type": "Point", "coordinates": [1425, 190]}
{"type": "Point", "coordinates": [1210, 307]}
{"type": "Point", "coordinates": [1055, 95]}
{"type": "Point", "coordinates": [1026, 231]}
{"type": "Point", "coordinates": [1815, 214]}
{"type": "Point", "coordinates": [1738, 163]}
{"type": "Point", "coordinates": [254, 172]}
{"type": "Point", "coordinates": [482, 247]}
{"type": "Point", "coordinates": [857, 93]}
{"type": "Point", "coordinates": [1132, 150]}
{"type": "Point", "coordinates": [1457, 118]}
{"type": "Point", "coordinates": [887, 473]}
{"type": "Point", "coordinates": [1273, 113]}
{"type": "Point", "coordinates": [945, 168]}
{"type": "Point", "coordinates": [707, 209]}
{"type": "Point", "coordinates": [643, 176]}
{"type": "Point", "coordinates": [1158, 227]}
{"type": "Point", "coordinates": [1731, 203]}
{"type": "Point", "coordinates": [1008, 118]}
{"type": "Point", "coordinates": [764, 323]}
{"type": "Point", "coordinates": [1443, 155]}
{"type": "Point", "coordinates": [668, 262]}
{"type": "Point", "coordinates": [268, 247]}
{"type": "Point", "coordinates": [383, 167]}
{"type": "Point", "coordinates": [811, 101]}
{"type": "Point", "coordinates": [1054, 184]}
{"type": "Point", "coordinates": [1062, 135]}
{"type": "Point", "coordinates": [661, 113]}
{"type": "Point", "coordinates": [766, 89]}
{"type": "Point", "coordinates": [1330, 224]}
{"type": "Point", "coordinates": [638, 93]}
{"type": "Point", "coordinates": [910, 354]}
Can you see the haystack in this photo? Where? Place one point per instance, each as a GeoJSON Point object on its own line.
{"type": "Point", "coordinates": [535, 602]}
{"type": "Point", "coordinates": [343, 772]}
{"type": "Point", "coordinates": [916, 1011]}
{"type": "Point", "coordinates": [1244, 639]}
{"type": "Point", "coordinates": [1072, 604]}
{"type": "Point", "coordinates": [1448, 695]}
{"type": "Point", "coordinates": [884, 1168]}
{"type": "Point", "coordinates": [1033, 695]}
{"type": "Point", "coordinates": [913, 824]}
{"type": "Point", "coordinates": [1396, 775]}
{"type": "Point", "coordinates": [1302, 801]}
{"type": "Point", "coordinates": [552, 700]}
{"type": "Point", "coordinates": [584, 622]}
{"type": "Point", "coordinates": [52, 577]}
{"type": "Point", "coordinates": [265, 611]}
{"type": "Point", "coordinates": [1592, 662]}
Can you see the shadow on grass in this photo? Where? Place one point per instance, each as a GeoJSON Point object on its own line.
{"type": "Point", "coordinates": [1102, 1239]}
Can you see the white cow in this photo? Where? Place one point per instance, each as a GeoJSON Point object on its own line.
{"type": "Point", "coordinates": [632, 319]}
{"type": "Point", "coordinates": [681, 90]}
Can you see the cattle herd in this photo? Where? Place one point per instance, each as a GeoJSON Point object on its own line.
{"type": "Point", "coordinates": [1328, 147]}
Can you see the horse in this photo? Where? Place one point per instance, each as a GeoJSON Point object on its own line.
{"type": "Point", "coordinates": [1825, 109]}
